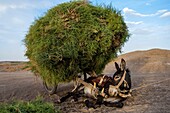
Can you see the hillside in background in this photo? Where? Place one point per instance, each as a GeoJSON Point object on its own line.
{"type": "Point", "coordinates": [150, 61]}
{"type": "Point", "coordinates": [13, 66]}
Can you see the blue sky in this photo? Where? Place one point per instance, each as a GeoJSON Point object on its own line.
{"type": "Point", "coordinates": [148, 22]}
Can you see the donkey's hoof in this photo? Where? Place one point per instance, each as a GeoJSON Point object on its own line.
{"type": "Point", "coordinates": [119, 105]}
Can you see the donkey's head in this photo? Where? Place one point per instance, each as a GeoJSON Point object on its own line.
{"type": "Point", "coordinates": [122, 76]}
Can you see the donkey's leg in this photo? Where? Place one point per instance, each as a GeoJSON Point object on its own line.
{"type": "Point", "coordinates": [69, 94]}
{"type": "Point", "coordinates": [115, 104]}
{"type": "Point", "coordinates": [75, 87]}
{"type": "Point", "coordinates": [77, 83]}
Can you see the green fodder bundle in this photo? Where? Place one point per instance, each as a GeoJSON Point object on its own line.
{"type": "Point", "coordinates": [74, 37]}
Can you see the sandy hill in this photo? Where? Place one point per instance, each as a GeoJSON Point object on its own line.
{"type": "Point", "coordinates": [150, 61]}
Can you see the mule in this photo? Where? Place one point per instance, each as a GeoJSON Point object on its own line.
{"type": "Point", "coordinates": [113, 90]}
{"type": "Point", "coordinates": [108, 90]}
{"type": "Point", "coordinates": [121, 80]}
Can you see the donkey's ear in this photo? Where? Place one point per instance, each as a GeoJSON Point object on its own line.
{"type": "Point", "coordinates": [123, 64]}
{"type": "Point", "coordinates": [117, 66]}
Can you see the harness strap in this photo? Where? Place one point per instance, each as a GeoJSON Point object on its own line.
{"type": "Point", "coordinates": [126, 84]}
{"type": "Point", "coordinates": [124, 95]}
{"type": "Point", "coordinates": [121, 81]}
{"type": "Point", "coordinates": [101, 80]}
{"type": "Point", "coordinates": [120, 92]}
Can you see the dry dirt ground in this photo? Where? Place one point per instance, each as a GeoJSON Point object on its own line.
{"type": "Point", "coordinates": [150, 73]}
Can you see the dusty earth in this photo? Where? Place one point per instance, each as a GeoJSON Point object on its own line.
{"type": "Point", "coordinates": [150, 73]}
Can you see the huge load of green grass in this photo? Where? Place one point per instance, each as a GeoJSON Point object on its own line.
{"type": "Point", "coordinates": [74, 37]}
